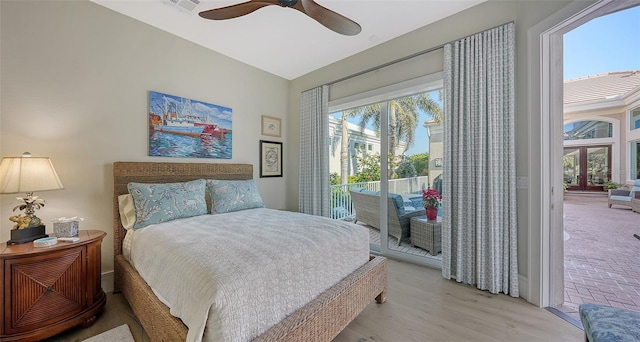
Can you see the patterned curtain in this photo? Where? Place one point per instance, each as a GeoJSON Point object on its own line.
{"type": "Point", "coordinates": [479, 230]}
{"type": "Point", "coordinates": [314, 152]}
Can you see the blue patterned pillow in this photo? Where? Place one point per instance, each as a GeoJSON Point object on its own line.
{"type": "Point", "coordinates": [155, 203]}
{"type": "Point", "coordinates": [228, 196]}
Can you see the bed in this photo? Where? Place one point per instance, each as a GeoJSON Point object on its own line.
{"type": "Point", "coordinates": [320, 320]}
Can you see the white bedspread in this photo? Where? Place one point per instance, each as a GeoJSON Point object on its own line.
{"type": "Point", "coordinates": [243, 272]}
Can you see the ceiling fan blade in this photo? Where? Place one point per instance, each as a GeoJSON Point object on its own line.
{"type": "Point", "coordinates": [330, 19]}
{"type": "Point", "coordinates": [236, 10]}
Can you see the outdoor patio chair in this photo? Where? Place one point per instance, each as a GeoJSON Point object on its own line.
{"type": "Point", "coordinates": [635, 201]}
{"type": "Point", "coordinates": [367, 206]}
{"type": "Point", "coordinates": [626, 197]}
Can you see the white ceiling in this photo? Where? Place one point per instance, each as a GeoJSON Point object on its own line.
{"type": "Point", "coordinates": [283, 41]}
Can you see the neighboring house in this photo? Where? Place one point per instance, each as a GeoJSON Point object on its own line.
{"type": "Point", "coordinates": [361, 142]}
{"type": "Point", "coordinates": [436, 149]}
{"type": "Point", "coordinates": [601, 130]}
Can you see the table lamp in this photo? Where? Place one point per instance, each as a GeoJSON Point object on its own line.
{"type": "Point", "coordinates": [27, 174]}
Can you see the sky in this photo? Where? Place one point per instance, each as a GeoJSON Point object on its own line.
{"type": "Point", "coordinates": [604, 44]}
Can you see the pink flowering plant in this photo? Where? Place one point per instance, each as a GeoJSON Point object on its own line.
{"type": "Point", "coordinates": [431, 198]}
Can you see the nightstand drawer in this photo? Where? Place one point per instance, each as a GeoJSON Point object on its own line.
{"type": "Point", "coordinates": [41, 292]}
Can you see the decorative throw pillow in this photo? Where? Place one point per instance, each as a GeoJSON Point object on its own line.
{"type": "Point", "coordinates": [156, 203]}
{"type": "Point", "coordinates": [127, 211]}
{"type": "Point", "coordinates": [399, 201]}
{"type": "Point", "coordinates": [228, 196]}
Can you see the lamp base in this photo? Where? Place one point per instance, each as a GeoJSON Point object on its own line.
{"type": "Point", "coordinates": [25, 235]}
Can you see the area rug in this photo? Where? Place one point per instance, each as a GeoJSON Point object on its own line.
{"type": "Point", "coordinates": [118, 334]}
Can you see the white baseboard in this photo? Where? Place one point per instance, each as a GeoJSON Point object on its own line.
{"type": "Point", "coordinates": [523, 283]}
{"type": "Point", "coordinates": [107, 281]}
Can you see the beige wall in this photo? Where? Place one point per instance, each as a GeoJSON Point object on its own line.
{"type": "Point", "coordinates": [74, 87]}
{"type": "Point", "coordinates": [525, 14]}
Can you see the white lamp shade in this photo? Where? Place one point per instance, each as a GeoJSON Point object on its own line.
{"type": "Point", "coordinates": [28, 174]}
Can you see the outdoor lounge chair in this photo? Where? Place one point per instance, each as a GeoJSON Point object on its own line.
{"type": "Point", "coordinates": [627, 198]}
{"type": "Point", "coordinates": [367, 206]}
{"type": "Point", "coordinates": [635, 201]}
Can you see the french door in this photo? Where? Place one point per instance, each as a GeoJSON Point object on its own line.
{"type": "Point", "coordinates": [587, 167]}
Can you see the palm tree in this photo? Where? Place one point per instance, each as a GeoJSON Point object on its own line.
{"type": "Point", "coordinates": [403, 120]}
{"type": "Point", "coordinates": [431, 107]}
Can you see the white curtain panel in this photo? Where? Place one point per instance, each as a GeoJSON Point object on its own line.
{"type": "Point", "coordinates": [479, 228]}
{"type": "Point", "coordinates": [314, 152]}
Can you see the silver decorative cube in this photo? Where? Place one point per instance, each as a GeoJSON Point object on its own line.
{"type": "Point", "coordinates": [64, 227]}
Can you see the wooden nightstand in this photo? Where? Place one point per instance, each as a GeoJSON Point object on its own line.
{"type": "Point", "coordinates": [50, 289]}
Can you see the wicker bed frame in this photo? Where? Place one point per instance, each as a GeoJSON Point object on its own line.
{"type": "Point", "coordinates": [320, 320]}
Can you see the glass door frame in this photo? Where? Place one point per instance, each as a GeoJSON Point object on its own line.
{"type": "Point", "coordinates": [583, 182]}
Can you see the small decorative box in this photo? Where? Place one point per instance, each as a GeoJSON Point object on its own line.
{"type": "Point", "coordinates": [45, 242]}
{"type": "Point", "coordinates": [66, 227]}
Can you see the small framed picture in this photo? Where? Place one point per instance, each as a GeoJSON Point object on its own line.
{"type": "Point", "coordinates": [271, 126]}
{"type": "Point", "coordinates": [270, 159]}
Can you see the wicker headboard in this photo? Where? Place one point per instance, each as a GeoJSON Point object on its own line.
{"type": "Point", "coordinates": [149, 172]}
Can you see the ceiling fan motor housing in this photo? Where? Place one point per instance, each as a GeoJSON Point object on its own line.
{"type": "Point", "coordinates": [288, 3]}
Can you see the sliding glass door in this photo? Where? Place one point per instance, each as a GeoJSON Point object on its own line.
{"type": "Point", "coordinates": [383, 154]}
{"type": "Point", "coordinates": [414, 155]}
{"type": "Point", "coordinates": [355, 151]}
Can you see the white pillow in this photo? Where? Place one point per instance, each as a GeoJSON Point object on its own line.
{"type": "Point", "coordinates": [127, 211]}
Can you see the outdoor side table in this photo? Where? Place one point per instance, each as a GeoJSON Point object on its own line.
{"type": "Point", "coordinates": [426, 234]}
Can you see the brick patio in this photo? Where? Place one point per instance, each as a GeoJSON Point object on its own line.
{"type": "Point", "coordinates": [602, 257]}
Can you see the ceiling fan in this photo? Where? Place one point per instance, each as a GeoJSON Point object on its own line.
{"type": "Point", "coordinates": [323, 15]}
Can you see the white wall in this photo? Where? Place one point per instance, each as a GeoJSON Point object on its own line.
{"type": "Point", "coordinates": [74, 87]}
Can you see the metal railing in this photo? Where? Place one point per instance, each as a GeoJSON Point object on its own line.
{"type": "Point", "coordinates": [340, 199]}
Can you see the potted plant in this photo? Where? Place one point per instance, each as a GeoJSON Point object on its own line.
{"type": "Point", "coordinates": [431, 200]}
{"type": "Point", "coordinates": [611, 185]}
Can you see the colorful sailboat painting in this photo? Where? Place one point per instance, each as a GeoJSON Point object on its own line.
{"type": "Point", "coordinates": [181, 127]}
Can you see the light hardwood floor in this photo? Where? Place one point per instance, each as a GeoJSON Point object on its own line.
{"type": "Point", "coordinates": [421, 306]}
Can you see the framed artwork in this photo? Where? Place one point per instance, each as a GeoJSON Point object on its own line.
{"type": "Point", "coordinates": [438, 162]}
{"type": "Point", "coordinates": [271, 126]}
{"type": "Point", "coordinates": [270, 159]}
{"type": "Point", "coordinates": [182, 127]}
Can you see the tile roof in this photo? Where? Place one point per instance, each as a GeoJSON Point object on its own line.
{"type": "Point", "coordinates": [608, 86]}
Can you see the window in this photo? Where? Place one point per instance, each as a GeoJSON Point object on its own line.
{"type": "Point", "coordinates": [634, 143]}
{"type": "Point", "coordinates": [393, 127]}
{"type": "Point", "coordinates": [634, 160]}
{"type": "Point", "coordinates": [587, 130]}
{"type": "Point", "coordinates": [634, 116]}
